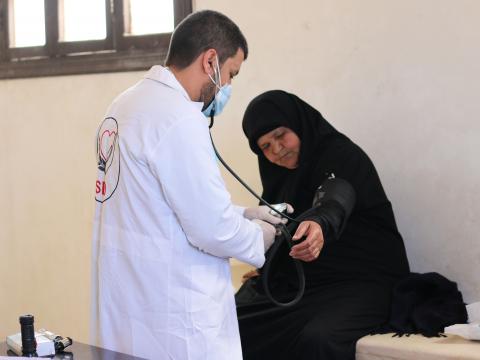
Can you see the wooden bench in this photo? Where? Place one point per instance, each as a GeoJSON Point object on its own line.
{"type": "Point", "coordinates": [416, 347]}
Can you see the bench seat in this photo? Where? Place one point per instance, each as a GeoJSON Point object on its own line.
{"type": "Point", "coordinates": [416, 347]}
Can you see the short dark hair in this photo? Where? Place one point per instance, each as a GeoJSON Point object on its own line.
{"type": "Point", "coordinates": [201, 31]}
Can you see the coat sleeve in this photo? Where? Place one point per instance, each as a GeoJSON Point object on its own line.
{"type": "Point", "coordinates": [185, 165]}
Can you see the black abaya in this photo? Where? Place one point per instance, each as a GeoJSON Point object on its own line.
{"type": "Point", "coordinates": [348, 286]}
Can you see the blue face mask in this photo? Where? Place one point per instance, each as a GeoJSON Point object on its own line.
{"type": "Point", "coordinates": [219, 102]}
{"type": "Point", "coordinates": [221, 97]}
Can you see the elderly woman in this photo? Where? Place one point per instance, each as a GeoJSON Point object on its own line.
{"type": "Point", "coordinates": [351, 259]}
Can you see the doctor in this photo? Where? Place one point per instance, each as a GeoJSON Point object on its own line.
{"type": "Point", "coordinates": [165, 226]}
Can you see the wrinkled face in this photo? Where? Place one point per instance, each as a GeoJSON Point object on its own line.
{"type": "Point", "coordinates": [281, 146]}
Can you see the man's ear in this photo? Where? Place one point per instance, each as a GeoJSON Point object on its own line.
{"type": "Point", "coordinates": [208, 61]}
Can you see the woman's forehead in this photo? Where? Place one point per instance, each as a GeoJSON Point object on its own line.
{"type": "Point", "coordinates": [272, 133]}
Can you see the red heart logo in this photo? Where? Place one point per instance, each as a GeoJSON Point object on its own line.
{"type": "Point", "coordinates": [107, 144]}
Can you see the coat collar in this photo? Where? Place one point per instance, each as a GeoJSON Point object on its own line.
{"type": "Point", "coordinates": [166, 77]}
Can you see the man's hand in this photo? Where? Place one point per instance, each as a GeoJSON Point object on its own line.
{"type": "Point", "coordinates": [310, 248]}
{"type": "Point", "coordinates": [268, 231]}
{"type": "Point", "coordinates": [264, 213]}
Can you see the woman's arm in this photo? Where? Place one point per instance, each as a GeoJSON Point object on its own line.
{"type": "Point", "coordinates": [333, 204]}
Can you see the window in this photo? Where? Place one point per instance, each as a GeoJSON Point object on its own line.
{"type": "Point", "coordinates": [60, 37]}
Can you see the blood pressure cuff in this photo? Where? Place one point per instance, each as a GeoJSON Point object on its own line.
{"type": "Point", "coordinates": [332, 205]}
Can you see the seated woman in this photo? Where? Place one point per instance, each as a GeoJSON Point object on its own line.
{"type": "Point", "coordinates": [351, 259]}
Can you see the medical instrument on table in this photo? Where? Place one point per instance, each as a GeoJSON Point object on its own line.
{"type": "Point", "coordinates": [30, 343]}
{"type": "Point", "coordinates": [59, 342]}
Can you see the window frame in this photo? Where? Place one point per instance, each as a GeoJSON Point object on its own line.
{"type": "Point", "coordinates": [115, 53]}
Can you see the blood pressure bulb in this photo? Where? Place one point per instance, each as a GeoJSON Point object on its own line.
{"type": "Point", "coordinates": [29, 344]}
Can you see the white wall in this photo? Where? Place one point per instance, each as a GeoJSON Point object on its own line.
{"type": "Point", "coordinates": [401, 78]}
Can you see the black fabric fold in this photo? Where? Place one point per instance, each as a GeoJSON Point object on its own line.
{"type": "Point", "coordinates": [424, 304]}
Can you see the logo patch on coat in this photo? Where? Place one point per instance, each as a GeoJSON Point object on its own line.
{"type": "Point", "coordinates": [108, 160]}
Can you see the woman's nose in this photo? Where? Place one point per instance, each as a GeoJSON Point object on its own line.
{"type": "Point", "coordinates": [276, 147]}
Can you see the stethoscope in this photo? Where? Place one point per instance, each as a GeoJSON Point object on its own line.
{"type": "Point", "coordinates": [285, 235]}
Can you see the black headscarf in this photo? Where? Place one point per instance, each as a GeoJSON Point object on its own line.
{"type": "Point", "coordinates": [370, 243]}
{"type": "Point", "coordinates": [277, 108]}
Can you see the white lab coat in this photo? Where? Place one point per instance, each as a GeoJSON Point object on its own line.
{"type": "Point", "coordinates": [164, 230]}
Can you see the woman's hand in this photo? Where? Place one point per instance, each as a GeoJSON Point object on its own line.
{"type": "Point", "coordinates": [310, 248]}
{"type": "Point", "coordinates": [249, 275]}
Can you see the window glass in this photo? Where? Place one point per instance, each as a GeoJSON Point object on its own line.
{"type": "Point", "coordinates": [82, 20]}
{"type": "Point", "coordinates": [62, 37]}
{"type": "Point", "coordinates": [149, 17]}
{"type": "Point", "coordinates": [28, 25]}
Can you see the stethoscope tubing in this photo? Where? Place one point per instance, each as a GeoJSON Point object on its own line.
{"type": "Point", "coordinates": [284, 236]}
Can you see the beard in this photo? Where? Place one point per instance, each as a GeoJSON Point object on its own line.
{"type": "Point", "coordinates": [207, 94]}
